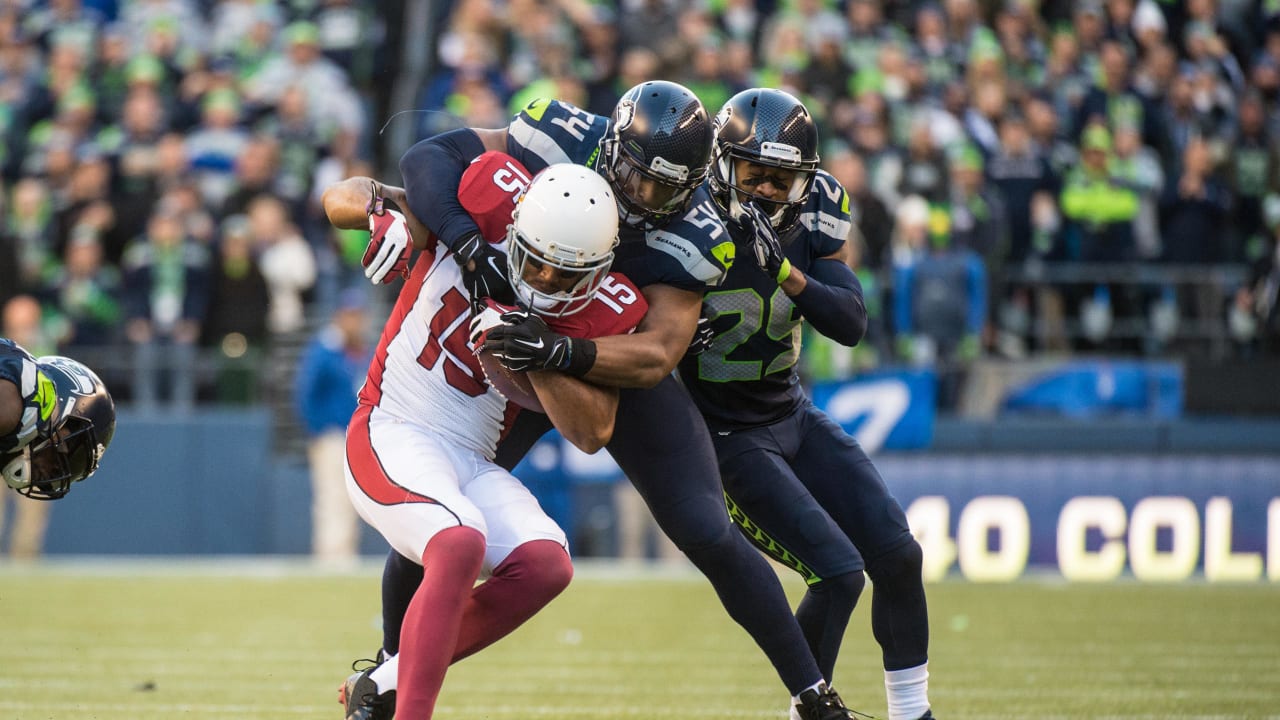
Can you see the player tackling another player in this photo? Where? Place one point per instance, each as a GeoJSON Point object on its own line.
{"type": "Point", "coordinates": [56, 421]}
{"type": "Point", "coordinates": [420, 446]}
{"type": "Point", "coordinates": [654, 150]}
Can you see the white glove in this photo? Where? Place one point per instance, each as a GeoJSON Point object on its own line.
{"type": "Point", "coordinates": [390, 246]}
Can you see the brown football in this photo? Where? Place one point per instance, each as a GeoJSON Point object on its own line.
{"type": "Point", "coordinates": [514, 386]}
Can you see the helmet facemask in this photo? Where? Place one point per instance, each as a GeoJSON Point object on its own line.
{"type": "Point", "coordinates": [648, 197]}
{"type": "Point", "coordinates": [791, 173]}
{"type": "Point", "coordinates": [46, 469]}
{"type": "Point", "coordinates": [580, 279]}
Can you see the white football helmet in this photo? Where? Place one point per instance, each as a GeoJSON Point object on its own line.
{"type": "Point", "coordinates": [561, 238]}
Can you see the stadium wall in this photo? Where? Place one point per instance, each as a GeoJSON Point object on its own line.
{"type": "Point", "coordinates": [1159, 501]}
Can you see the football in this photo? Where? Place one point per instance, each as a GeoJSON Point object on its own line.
{"type": "Point", "coordinates": [514, 386]}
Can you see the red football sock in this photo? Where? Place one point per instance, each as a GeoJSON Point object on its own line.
{"type": "Point", "coordinates": [451, 562]}
{"type": "Point", "coordinates": [531, 576]}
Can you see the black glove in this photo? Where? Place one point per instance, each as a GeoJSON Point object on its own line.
{"type": "Point", "coordinates": [703, 336]}
{"type": "Point", "coordinates": [488, 278]}
{"type": "Point", "coordinates": [523, 342]}
{"type": "Point", "coordinates": [765, 243]}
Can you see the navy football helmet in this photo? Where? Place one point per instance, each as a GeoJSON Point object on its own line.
{"type": "Point", "coordinates": [70, 441]}
{"type": "Point", "coordinates": [770, 128]}
{"type": "Point", "coordinates": [656, 152]}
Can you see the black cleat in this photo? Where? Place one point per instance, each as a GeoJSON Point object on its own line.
{"type": "Point", "coordinates": [928, 715]}
{"type": "Point", "coordinates": [823, 704]}
{"type": "Point", "coordinates": [360, 697]}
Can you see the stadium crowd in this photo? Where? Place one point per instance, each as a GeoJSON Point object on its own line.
{"type": "Point", "coordinates": [1025, 176]}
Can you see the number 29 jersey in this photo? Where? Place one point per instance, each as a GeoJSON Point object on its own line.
{"type": "Point", "coordinates": [424, 370]}
{"type": "Point", "coordinates": [747, 377]}
{"type": "Point", "coordinates": [690, 252]}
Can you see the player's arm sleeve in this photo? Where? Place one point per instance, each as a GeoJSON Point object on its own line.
{"type": "Point", "coordinates": [832, 301]}
{"type": "Point", "coordinates": [582, 412]}
{"type": "Point", "coordinates": [643, 358]}
{"type": "Point", "coordinates": [432, 170]}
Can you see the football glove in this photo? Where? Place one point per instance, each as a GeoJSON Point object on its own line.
{"type": "Point", "coordinates": [524, 342]}
{"type": "Point", "coordinates": [390, 244]}
{"type": "Point", "coordinates": [765, 244]}
{"type": "Point", "coordinates": [703, 336]}
{"type": "Point", "coordinates": [487, 278]}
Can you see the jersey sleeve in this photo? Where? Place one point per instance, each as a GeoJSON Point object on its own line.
{"type": "Point", "coordinates": [546, 132]}
{"type": "Point", "coordinates": [826, 215]}
{"type": "Point", "coordinates": [617, 309]}
{"type": "Point", "coordinates": [488, 191]}
{"type": "Point", "coordinates": [19, 367]}
{"type": "Point", "coordinates": [692, 252]}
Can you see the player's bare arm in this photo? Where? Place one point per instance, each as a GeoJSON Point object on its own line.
{"type": "Point", "coordinates": [346, 204]}
{"type": "Point", "coordinates": [645, 357]}
{"type": "Point", "coordinates": [10, 407]}
{"type": "Point", "coordinates": [581, 411]}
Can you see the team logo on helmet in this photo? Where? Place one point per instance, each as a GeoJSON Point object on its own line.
{"type": "Point", "coordinates": [722, 118]}
{"type": "Point", "coordinates": [626, 114]}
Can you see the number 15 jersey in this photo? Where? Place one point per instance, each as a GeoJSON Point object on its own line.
{"type": "Point", "coordinates": [424, 370]}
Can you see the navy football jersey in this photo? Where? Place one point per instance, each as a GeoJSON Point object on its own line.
{"type": "Point", "coordinates": [19, 367]}
{"type": "Point", "coordinates": [690, 252]}
{"type": "Point", "coordinates": [747, 377]}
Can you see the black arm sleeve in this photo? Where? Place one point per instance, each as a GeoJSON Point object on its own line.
{"type": "Point", "coordinates": [832, 302]}
{"type": "Point", "coordinates": [432, 170]}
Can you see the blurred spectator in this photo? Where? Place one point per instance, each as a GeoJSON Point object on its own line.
{"type": "Point", "coordinates": [1252, 169]}
{"type": "Point", "coordinates": [1099, 209]}
{"type": "Point", "coordinates": [23, 323]}
{"type": "Point", "coordinates": [28, 236]}
{"type": "Point", "coordinates": [940, 295]}
{"type": "Point", "coordinates": [166, 298]}
{"type": "Point", "coordinates": [329, 376]}
{"type": "Point", "coordinates": [255, 174]}
{"type": "Point", "coordinates": [870, 215]}
{"type": "Point", "coordinates": [1193, 208]}
{"type": "Point", "coordinates": [1254, 315]}
{"type": "Point", "coordinates": [1019, 170]}
{"type": "Point", "coordinates": [86, 293]}
{"type": "Point", "coordinates": [286, 260]}
{"type": "Point", "coordinates": [214, 145]}
{"type": "Point", "coordinates": [924, 166]}
{"type": "Point", "coordinates": [236, 323]}
{"type": "Point", "coordinates": [1138, 167]}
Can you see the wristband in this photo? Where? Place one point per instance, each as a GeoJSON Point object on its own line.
{"type": "Point", "coordinates": [378, 204]}
{"type": "Point", "coordinates": [784, 271]}
{"type": "Point", "coordinates": [582, 356]}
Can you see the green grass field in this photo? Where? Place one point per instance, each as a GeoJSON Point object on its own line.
{"type": "Point", "coordinates": [142, 641]}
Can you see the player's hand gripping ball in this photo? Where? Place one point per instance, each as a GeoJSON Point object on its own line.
{"type": "Point", "coordinates": [510, 384]}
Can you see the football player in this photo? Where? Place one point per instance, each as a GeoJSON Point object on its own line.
{"type": "Point", "coordinates": [420, 447]}
{"type": "Point", "coordinates": [796, 483]}
{"type": "Point", "coordinates": [56, 421]}
{"type": "Point", "coordinates": [653, 150]}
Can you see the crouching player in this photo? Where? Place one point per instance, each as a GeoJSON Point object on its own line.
{"type": "Point", "coordinates": [421, 444]}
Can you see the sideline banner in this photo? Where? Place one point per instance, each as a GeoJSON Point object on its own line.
{"type": "Point", "coordinates": [1091, 518]}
